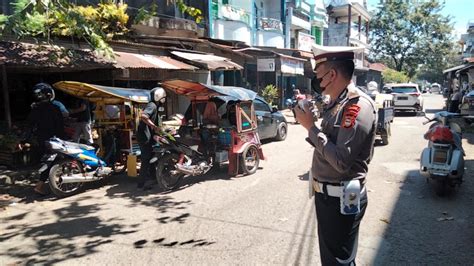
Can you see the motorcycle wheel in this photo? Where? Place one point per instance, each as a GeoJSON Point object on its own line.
{"type": "Point", "coordinates": [440, 188]}
{"type": "Point", "coordinates": [250, 160]}
{"type": "Point", "coordinates": [120, 164]}
{"type": "Point", "coordinates": [55, 178]}
{"type": "Point", "coordinates": [164, 176]}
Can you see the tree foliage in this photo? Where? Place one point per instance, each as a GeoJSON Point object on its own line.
{"type": "Point", "coordinates": [393, 76]}
{"type": "Point", "coordinates": [407, 35]}
{"type": "Point", "coordinates": [270, 93]}
{"type": "Point", "coordinates": [97, 24]}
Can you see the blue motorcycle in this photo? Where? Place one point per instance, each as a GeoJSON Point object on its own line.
{"type": "Point", "coordinates": [70, 165]}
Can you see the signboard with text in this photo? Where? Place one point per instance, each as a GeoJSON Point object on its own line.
{"type": "Point", "coordinates": [305, 41]}
{"type": "Point", "coordinates": [266, 65]}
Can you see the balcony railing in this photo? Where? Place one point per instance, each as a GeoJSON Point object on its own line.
{"type": "Point", "coordinates": [234, 13]}
{"type": "Point", "coordinates": [271, 24]}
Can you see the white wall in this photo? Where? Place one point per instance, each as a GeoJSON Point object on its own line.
{"type": "Point", "coordinates": [232, 30]}
{"type": "Point", "coordinates": [269, 38]}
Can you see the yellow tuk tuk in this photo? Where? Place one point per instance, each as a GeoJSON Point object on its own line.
{"type": "Point", "coordinates": [116, 115]}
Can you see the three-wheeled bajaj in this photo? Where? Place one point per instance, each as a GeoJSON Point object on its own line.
{"type": "Point", "coordinates": [70, 164]}
{"type": "Point", "coordinates": [219, 128]}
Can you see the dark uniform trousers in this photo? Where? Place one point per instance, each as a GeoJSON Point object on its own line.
{"type": "Point", "coordinates": [337, 233]}
{"type": "Point", "coordinates": [146, 171]}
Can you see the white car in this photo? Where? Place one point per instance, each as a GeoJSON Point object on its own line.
{"type": "Point", "coordinates": [406, 96]}
{"type": "Point", "coordinates": [436, 88]}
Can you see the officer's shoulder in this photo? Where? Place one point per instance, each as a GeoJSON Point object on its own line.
{"type": "Point", "coordinates": [357, 96]}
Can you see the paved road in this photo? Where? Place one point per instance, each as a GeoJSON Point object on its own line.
{"type": "Point", "coordinates": [265, 218]}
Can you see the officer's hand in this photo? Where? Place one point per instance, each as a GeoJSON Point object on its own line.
{"type": "Point", "coordinates": [305, 117]}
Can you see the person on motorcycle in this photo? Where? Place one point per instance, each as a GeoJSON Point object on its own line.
{"type": "Point", "coordinates": [150, 122]}
{"type": "Point", "coordinates": [44, 129]}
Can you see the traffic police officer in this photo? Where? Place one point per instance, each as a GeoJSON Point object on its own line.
{"type": "Point", "coordinates": [343, 147]}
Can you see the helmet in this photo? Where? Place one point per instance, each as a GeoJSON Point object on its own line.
{"type": "Point", "coordinates": [158, 95]}
{"type": "Point", "coordinates": [43, 92]}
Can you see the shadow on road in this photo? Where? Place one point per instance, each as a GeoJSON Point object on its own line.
{"type": "Point", "coordinates": [427, 229]}
{"type": "Point", "coordinates": [57, 241]}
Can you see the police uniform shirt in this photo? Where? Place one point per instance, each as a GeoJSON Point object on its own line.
{"type": "Point", "coordinates": [344, 144]}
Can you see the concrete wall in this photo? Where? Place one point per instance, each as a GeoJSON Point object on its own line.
{"type": "Point", "coordinates": [270, 38]}
{"type": "Point", "coordinates": [336, 35]}
{"type": "Point", "coordinates": [232, 30]}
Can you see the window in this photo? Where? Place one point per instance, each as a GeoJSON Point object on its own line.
{"type": "Point", "coordinates": [404, 89]}
{"type": "Point", "coordinates": [261, 106]}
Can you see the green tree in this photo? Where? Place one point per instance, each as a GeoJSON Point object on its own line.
{"type": "Point", "coordinates": [270, 93]}
{"type": "Point", "coordinates": [408, 34]}
{"type": "Point", "coordinates": [393, 76]}
{"type": "Point", "coordinates": [97, 25]}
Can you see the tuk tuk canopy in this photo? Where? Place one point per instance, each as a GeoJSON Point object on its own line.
{"type": "Point", "coordinates": [98, 93]}
{"type": "Point", "coordinates": [199, 91]}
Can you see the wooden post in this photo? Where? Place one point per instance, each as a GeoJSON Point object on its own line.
{"type": "Point", "coordinates": [360, 24]}
{"type": "Point", "coordinates": [6, 97]}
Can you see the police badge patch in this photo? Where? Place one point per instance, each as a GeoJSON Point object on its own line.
{"type": "Point", "coordinates": [350, 116]}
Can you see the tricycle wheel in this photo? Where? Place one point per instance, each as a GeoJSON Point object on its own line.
{"type": "Point", "coordinates": [166, 174]}
{"type": "Point", "coordinates": [440, 187]}
{"type": "Point", "coordinates": [250, 160]}
{"type": "Point", "coordinates": [386, 134]}
{"type": "Point", "coordinates": [59, 169]}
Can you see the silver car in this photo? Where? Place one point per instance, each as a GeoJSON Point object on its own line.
{"type": "Point", "coordinates": [406, 96]}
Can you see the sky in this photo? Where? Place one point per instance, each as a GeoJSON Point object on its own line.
{"type": "Point", "coordinates": [461, 12]}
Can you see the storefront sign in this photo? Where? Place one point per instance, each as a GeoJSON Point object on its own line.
{"type": "Point", "coordinates": [305, 41]}
{"type": "Point", "coordinates": [292, 66]}
{"type": "Point", "coordinates": [266, 65]}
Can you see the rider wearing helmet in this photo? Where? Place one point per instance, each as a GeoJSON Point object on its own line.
{"type": "Point", "coordinates": [43, 128]}
{"type": "Point", "coordinates": [44, 92]}
{"type": "Point", "coordinates": [150, 122]}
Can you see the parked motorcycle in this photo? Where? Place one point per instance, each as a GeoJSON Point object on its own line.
{"type": "Point", "coordinates": [442, 162]}
{"type": "Point", "coordinates": [174, 159]}
{"type": "Point", "coordinates": [71, 164]}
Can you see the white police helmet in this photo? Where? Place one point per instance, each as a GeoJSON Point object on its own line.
{"type": "Point", "coordinates": [158, 95]}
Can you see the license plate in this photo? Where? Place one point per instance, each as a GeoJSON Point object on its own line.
{"type": "Point", "coordinates": [402, 98]}
{"type": "Point", "coordinates": [440, 156]}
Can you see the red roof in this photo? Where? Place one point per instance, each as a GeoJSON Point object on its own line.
{"type": "Point", "coordinates": [469, 59]}
{"type": "Point", "coordinates": [377, 67]}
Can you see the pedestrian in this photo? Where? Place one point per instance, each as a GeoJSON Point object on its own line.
{"type": "Point", "coordinates": [150, 122]}
{"type": "Point", "coordinates": [83, 121]}
{"type": "Point", "coordinates": [455, 101]}
{"type": "Point", "coordinates": [343, 147]}
{"type": "Point", "coordinates": [44, 129]}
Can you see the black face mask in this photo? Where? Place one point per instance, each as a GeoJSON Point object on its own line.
{"type": "Point", "coordinates": [316, 84]}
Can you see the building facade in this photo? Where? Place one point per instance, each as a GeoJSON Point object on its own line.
{"type": "Point", "coordinates": [349, 26]}
{"type": "Point", "coordinates": [467, 41]}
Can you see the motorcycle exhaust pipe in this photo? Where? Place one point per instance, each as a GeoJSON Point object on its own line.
{"type": "Point", "coordinates": [78, 178]}
{"type": "Point", "coordinates": [187, 171]}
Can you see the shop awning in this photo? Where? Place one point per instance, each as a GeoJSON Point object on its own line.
{"type": "Point", "coordinates": [209, 61]}
{"type": "Point", "coordinates": [129, 60]}
{"type": "Point", "coordinates": [454, 68]}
